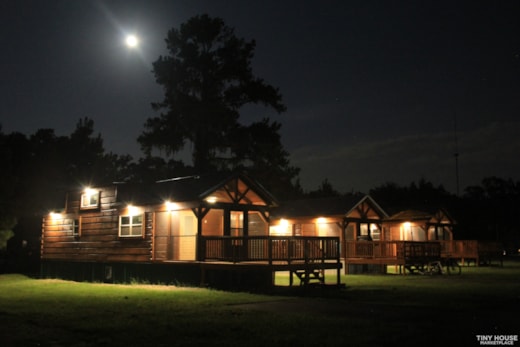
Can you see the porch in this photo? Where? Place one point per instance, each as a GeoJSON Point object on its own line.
{"type": "Point", "coordinates": [407, 254]}
{"type": "Point", "coordinates": [305, 258]}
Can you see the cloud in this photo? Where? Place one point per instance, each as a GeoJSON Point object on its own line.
{"type": "Point", "coordinates": [485, 151]}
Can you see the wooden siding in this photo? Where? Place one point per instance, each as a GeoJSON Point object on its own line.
{"type": "Point", "coordinates": [97, 237]}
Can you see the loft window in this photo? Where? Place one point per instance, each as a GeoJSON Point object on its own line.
{"type": "Point", "coordinates": [131, 226]}
{"type": "Point", "coordinates": [89, 199]}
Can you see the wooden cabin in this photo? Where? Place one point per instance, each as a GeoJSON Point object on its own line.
{"type": "Point", "coordinates": [413, 225]}
{"type": "Point", "coordinates": [412, 238]}
{"type": "Point", "coordinates": [352, 219]}
{"type": "Point", "coordinates": [370, 239]}
{"type": "Point", "coordinates": [209, 230]}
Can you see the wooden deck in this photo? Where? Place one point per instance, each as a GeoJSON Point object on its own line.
{"type": "Point", "coordinates": [409, 253]}
{"type": "Point", "coordinates": [307, 258]}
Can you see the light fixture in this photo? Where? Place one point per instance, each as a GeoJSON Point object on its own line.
{"type": "Point", "coordinates": [170, 206]}
{"type": "Point", "coordinates": [89, 191]}
{"type": "Point", "coordinates": [55, 215]}
{"type": "Point", "coordinates": [132, 210]}
{"type": "Point", "coordinates": [211, 199]}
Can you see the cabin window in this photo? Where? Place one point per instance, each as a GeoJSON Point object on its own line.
{"type": "Point", "coordinates": [297, 230]}
{"type": "Point", "coordinates": [375, 232]}
{"type": "Point", "coordinates": [363, 233]}
{"type": "Point", "coordinates": [369, 232]}
{"type": "Point", "coordinates": [89, 199]}
{"type": "Point", "coordinates": [212, 224]}
{"type": "Point", "coordinates": [328, 229]}
{"type": "Point", "coordinates": [438, 233]}
{"type": "Point", "coordinates": [350, 233]}
{"type": "Point", "coordinates": [237, 223]}
{"type": "Point", "coordinates": [131, 226]}
{"type": "Point", "coordinates": [76, 228]}
{"type": "Point", "coordinates": [257, 225]}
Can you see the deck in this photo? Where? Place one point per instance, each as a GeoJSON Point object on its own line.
{"type": "Point", "coordinates": [408, 253]}
{"type": "Point", "coordinates": [306, 258]}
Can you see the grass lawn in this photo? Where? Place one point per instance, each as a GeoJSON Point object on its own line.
{"type": "Point", "coordinates": [372, 310]}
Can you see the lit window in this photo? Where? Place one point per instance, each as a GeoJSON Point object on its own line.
{"type": "Point", "coordinates": [131, 226]}
{"type": "Point", "coordinates": [89, 199]}
{"type": "Point", "coordinates": [237, 223]}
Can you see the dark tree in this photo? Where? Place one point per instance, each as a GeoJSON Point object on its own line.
{"type": "Point", "coordinates": [422, 195]}
{"type": "Point", "coordinates": [492, 210]}
{"type": "Point", "coordinates": [325, 190]}
{"type": "Point", "coordinates": [86, 160]}
{"type": "Point", "coordinates": [258, 149]}
{"type": "Point", "coordinates": [206, 78]}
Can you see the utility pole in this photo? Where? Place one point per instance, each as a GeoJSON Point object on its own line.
{"type": "Point", "coordinates": [456, 154]}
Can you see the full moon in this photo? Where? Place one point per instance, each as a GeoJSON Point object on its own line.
{"type": "Point", "coordinates": [132, 41]}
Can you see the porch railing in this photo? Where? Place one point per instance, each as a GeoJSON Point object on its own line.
{"type": "Point", "coordinates": [409, 250]}
{"type": "Point", "coordinates": [270, 248]}
{"type": "Point", "coordinates": [460, 249]}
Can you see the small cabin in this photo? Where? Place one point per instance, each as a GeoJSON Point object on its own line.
{"type": "Point", "coordinates": [350, 218]}
{"type": "Point", "coordinates": [103, 229]}
{"type": "Point", "coordinates": [414, 225]}
{"type": "Point", "coordinates": [192, 230]}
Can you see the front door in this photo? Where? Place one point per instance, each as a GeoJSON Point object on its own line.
{"type": "Point", "coordinates": [187, 236]}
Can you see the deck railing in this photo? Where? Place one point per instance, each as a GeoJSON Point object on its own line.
{"type": "Point", "coordinates": [406, 250]}
{"type": "Point", "coordinates": [460, 249]}
{"type": "Point", "coordinates": [270, 248]}
{"type": "Point", "coordinates": [395, 250]}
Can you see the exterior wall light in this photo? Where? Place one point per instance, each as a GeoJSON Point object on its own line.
{"type": "Point", "coordinates": [211, 199]}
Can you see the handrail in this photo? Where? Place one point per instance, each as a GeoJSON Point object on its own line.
{"type": "Point", "coordinates": [404, 249]}
{"type": "Point", "coordinates": [270, 248]}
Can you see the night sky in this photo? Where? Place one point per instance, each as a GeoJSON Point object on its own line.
{"type": "Point", "coordinates": [374, 89]}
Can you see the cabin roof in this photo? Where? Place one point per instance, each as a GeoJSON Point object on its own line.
{"type": "Point", "coordinates": [417, 215]}
{"type": "Point", "coordinates": [186, 189]}
{"type": "Point", "coordinates": [410, 215]}
{"type": "Point", "coordinates": [330, 206]}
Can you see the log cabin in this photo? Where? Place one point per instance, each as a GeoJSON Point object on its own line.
{"type": "Point", "coordinates": [210, 230]}
{"type": "Point", "coordinates": [353, 219]}
{"type": "Point", "coordinates": [370, 239]}
{"type": "Point", "coordinates": [437, 225]}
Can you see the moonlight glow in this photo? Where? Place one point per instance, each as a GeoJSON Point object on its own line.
{"type": "Point", "coordinates": [132, 41]}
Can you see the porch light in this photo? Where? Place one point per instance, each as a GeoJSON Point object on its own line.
{"type": "Point", "coordinates": [55, 215]}
{"type": "Point", "coordinates": [211, 199]}
{"type": "Point", "coordinates": [321, 220]}
{"type": "Point", "coordinates": [280, 229]}
{"type": "Point", "coordinates": [171, 206]}
{"type": "Point", "coordinates": [132, 210]}
{"type": "Point", "coordinates": [89, 191]}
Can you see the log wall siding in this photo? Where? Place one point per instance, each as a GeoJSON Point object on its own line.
{"type": "Point", "coordinates": [98, 233]}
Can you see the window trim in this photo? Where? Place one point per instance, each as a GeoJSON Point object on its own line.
{"type": "Point", "coordinates": [76, 227]}
{"type": "Point", "coordinates": [132, 225]}
{"type": "Point", "coordinates": [89, 195]}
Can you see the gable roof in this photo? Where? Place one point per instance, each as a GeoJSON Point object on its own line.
{"type": "Point", "coordinates": [410, 215]}
{"type": "Point", "coordinates": [417, 215]}
{"type": "Point", "coordinates": [331, 206]}
{"type": "Point", "coordinates": [188, 189]}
